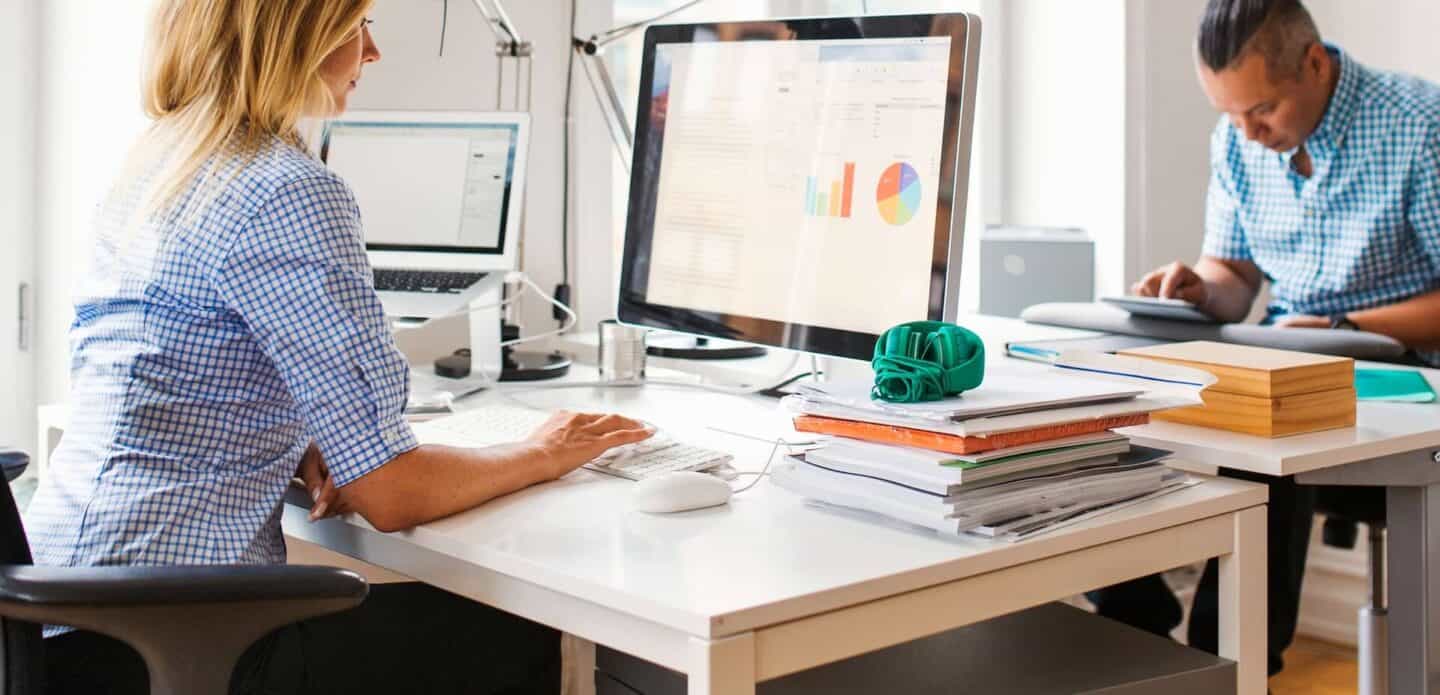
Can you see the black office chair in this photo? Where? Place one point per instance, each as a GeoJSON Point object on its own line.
{"type": "Point", "coordinates": [1345, 508]}
{"type": "Point", "coordinates": [190, 624]}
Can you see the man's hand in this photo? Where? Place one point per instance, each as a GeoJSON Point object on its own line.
{"type": "Point", "coordinates": [569, 440]}
{"type": "Point", "coordinates": [317, 480]}
{"type": "Point", "coordinates": [1175, 281]}
{"type": "Point", "coordinates": [1302, 321]}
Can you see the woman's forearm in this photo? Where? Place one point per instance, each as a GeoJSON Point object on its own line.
{"type": "Point", "coordinates": [432, 482]}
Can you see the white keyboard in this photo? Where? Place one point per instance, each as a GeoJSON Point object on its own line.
{"type": "Point", "coordinates": [499, 423]}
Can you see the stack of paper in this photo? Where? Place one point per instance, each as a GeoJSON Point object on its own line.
{"type": "Point", "coordinates": [1025, 453]}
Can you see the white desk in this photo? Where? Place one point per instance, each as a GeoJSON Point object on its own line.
{"type": "Point", "coordinates": [767, 586]}
{"type": "Point", "coordinates": [1395, 445]}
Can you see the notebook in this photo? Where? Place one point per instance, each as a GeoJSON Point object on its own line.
{"type": "Point", "coordinates": [1005, 392]}
{"type": "Point", "coordinates": [957, 444]}
{"type": "Point", "coordinates": [1396, 385]}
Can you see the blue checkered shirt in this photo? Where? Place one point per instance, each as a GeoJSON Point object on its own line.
{"type": "Point", "coordinates": [208, 351]}
{"type": "Point", "coordinates": [1364, 230]}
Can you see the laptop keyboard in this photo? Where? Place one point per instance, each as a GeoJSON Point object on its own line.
{"type": "Point", "coordinates": [428, 281]}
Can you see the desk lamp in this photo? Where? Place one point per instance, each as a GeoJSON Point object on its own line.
{"type": "Point", "coordinates": [512, 48]}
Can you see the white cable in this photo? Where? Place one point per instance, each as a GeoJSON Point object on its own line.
{"type": "Point", "coordinates": [763, 472]}
{"type": "Point", "coordinates": [571, 318]}
{"type": "Point", "coordinates": [476, 309]}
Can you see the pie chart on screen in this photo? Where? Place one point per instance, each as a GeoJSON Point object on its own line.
{"type": "Point", "coordinates": [898, 194]}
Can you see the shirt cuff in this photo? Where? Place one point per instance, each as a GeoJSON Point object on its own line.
{"type": "Point", "coordinates": [361, 458]}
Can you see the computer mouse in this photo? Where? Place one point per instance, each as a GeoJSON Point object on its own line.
{"type": "Point", "coordinates": [680, 492]}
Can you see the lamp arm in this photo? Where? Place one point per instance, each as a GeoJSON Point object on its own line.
{"type": "Point", "coordinates": [602, 39]}
{"type": "Point", "coordinates": [608, 101]}
{"type": "Point", "coordinates": [507, 36]}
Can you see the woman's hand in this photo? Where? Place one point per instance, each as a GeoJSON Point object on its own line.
{"type": "Point", "coordinates": [322, 489]}
{"type": "Point", "coordinates": [569, 440]}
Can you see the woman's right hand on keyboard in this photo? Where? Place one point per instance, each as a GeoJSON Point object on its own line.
{"type": "Point", "coordinates": [570, 440]}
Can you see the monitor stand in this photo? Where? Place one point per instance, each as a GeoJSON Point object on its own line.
{"type": "Point", "coordinates": [686, 347]}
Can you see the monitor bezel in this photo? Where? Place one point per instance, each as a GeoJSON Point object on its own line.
{"type": "Point", "coordinates": [502, 257]}
{"type": "Point", "coordinates": [632, 304]}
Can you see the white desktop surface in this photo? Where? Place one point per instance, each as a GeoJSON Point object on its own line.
{"type": "Point", "coordinates": [798, 586]}
{"type": "Point", "coordinates": [764, 558]}
{"type": "Point", "coordinates": [767, 586]}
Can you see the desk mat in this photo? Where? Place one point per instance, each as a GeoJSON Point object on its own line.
{"type": "Point", "coordinates": [1108, 319]}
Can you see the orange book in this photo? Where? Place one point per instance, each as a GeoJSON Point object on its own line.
{"type": "Point", "coordinates": [955, 444]}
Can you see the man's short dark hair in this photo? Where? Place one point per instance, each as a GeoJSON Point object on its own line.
{"type": "Point", "coordinates": [1280, 30]}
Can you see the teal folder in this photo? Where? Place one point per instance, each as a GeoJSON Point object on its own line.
{"type": "Point", "coordinates": [1399, 385]}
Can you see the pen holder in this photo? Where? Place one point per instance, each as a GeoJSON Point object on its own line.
{"type": "Point", "coordinates": [622, 352]}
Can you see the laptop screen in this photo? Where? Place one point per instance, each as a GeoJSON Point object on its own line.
{"type": "Point", "coordinates": [428, 186]}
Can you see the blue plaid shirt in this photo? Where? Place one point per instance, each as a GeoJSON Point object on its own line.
{"type": "Point", "coordinates": [1364, 230]}
{"type": "Point", "coordinates": [208, 351]}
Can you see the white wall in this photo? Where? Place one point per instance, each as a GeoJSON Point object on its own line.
{"type": "Point", "coordinates": [1401, 37]}
{"type": "Point", "coordinates": [90, 105]}
{"type": "Point", "coordinates": [1168, 123]}
{"type": "Point", "coordinates": [89, 115]}
{"type": "Point", "coordinates": [19, 20]}
{"type": "Point", "coordinates": [1064, 128]}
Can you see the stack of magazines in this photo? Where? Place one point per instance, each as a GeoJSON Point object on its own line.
{"type": "Point", "coordinates": [1027, 452]}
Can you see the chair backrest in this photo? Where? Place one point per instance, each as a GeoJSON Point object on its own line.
{"type": "Point", "coordinates": [21, 657]}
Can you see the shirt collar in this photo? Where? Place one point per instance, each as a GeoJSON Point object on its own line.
{"type": "Point", "coordinates": [1343, 106]}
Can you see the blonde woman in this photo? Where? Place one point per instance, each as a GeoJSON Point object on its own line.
{"type": "Point", "coordinates": [228, 338]}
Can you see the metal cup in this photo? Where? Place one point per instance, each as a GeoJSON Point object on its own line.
{"type": "Point", "coordinates": [622, 352]}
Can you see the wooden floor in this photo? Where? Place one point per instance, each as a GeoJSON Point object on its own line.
{"type": "Point", "coordinates": [1316, 668]}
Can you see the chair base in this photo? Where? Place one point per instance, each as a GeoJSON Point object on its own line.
{"type": "Point", "coordinates": [1373, 652]}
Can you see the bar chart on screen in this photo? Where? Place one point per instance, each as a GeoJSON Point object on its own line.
{"type": "Point", "coordinates": [832, 198]}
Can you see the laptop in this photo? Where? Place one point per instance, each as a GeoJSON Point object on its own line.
{"type": "Point", "coordinates": [440, 197]}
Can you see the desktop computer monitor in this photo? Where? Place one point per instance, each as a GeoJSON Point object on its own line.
{"type": "Point", "coordinates": [800, 183]}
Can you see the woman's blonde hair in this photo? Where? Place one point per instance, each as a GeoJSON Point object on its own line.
{"type": "Point", "coordinates": [225, 76]}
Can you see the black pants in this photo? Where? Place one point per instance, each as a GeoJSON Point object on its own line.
{"type": "Point", "coordinates": [1147, 603]}
{"type": "Point", "coordinates": [405, 638]}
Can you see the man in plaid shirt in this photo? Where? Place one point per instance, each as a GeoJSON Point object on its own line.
{"type": "Point", "coordinates": [1325, 180]}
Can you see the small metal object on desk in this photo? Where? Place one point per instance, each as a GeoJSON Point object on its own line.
{"type": "Point", "coordinates": [622, 351]}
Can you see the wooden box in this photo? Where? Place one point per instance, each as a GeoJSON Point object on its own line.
{"type": "Point", "coordinates": [1260, 391]}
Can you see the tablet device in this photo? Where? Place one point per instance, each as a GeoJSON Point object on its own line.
{"type": "Point", "coordinates": [1161, 308]}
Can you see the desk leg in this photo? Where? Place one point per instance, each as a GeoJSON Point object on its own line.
{"type": "Point", "coordinates": [1243, 602]}
{"type": "Point", "coordinates": [577, 656]}
{"type": "Point", "coordinates": [722, 667]}
{"type": "Point", "coordinates": [1413, 560]}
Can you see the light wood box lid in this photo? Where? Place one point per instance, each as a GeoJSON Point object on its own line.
{"type": "Point", "coordinates": [1256, 371]}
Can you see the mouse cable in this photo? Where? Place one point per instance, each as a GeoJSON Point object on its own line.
{"type": "Point", "coordinates": [764, 471]}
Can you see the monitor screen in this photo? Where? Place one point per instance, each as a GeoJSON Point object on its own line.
{"type": "Point", "coordinates": [794, 181]}
{"type": "Point", "coordinates": [428, 186]}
